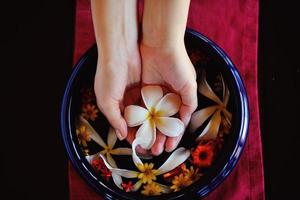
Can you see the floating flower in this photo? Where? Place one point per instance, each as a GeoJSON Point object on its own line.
{"type": "Point", "coordinates": [152, 189]}
{"type": "Point", "coordinates": [180, 182]}
{"type": "Point", "coordinates": [199, 117]}
{"type": "Point", "coordinates": [83, 135]}
{"type": "Point", "coordinates": [146, 173]}
{"type": "Point", "coordinates": [89, 111]}
{"type": "Point", "coordinates": [203, 155]}
{"type": "Point", "coordinates": [157, 114]}
{"type": "Point", "coordinates": [108, 149]}
{"type": "Point", "coordinates": [88, 95]}
{"type": "Point", "coordinates": [128, 187]}
{"type": "Point", "coordinates": [100, 167]}
{"type": "Point", "coordinates": [192, 173]}
{"type": "Point", "coordinates": [167, 176]}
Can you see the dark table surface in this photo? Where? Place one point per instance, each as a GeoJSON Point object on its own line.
{"type": "Point", "coordinates": [36, 59]}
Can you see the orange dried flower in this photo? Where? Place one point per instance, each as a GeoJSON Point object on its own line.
{"type": "Point", "coordinates": [89, 111]}
{"type": "Point", "coordinates": [203, 155]}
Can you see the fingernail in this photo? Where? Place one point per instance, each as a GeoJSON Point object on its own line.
{"type": "Point", "coordinates": [119, 135]}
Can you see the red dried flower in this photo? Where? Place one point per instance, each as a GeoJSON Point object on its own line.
{"type": "Point", "coordinates": [127, 186]}
{"type": "Point", "coordinates": [88, 95]}
{"type": "Point", "coordinates": [203, 155]}
{"type": "Point", "coordinates": [169, 175]}
{"type": "Point", "coordinates": [99, 166]}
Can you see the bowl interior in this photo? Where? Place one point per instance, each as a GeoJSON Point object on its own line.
{"type": "Point", "coordinates": [205, 57]}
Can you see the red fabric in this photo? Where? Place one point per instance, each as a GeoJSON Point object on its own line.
{"type": "Point", "coordinates": [233, 25]}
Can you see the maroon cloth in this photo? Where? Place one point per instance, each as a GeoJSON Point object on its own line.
{"type": "Point", "coordinates": [233, 25]}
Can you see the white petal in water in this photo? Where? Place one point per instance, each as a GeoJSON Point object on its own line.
{"type": "Point", "coordinates": [111, 138]}
{"type": "Point", "coordinates": [175, 159]}
{"type": "Point", "coordinates": [94, 135]}
{"type": "Point", "coordinates": [117, 180]}
{"type": "Point", "coordinates": [122, 172]}
{"type": "Point", "coordinates": [212, 128]}
{"type": "Point", "coordinates": [200, 116]}
{"type": "Point", "coordinates": [206, 90]}
{"type": "Point", "coordinates": [121, 151]}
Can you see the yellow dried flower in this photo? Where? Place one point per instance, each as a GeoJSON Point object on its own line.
{"type": "Point", "coordinates": [89, 111]}
{"type": "Point", "coordinates": [83, 135]}
{"type": "Point", "coordinates": [147, 173]}
{"type": "Point", "coordinates": [152, 189]}
{"type": "Point", "coordinates": [180, 182]}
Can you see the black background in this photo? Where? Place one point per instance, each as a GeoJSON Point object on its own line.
{"type": "Point", "coordinates": [36, 59]}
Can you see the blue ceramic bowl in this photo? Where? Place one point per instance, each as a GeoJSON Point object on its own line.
{"type": "Point", "coordinates": [206, 55]}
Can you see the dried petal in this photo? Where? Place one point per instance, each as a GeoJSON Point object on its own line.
{"type": "Point", "coordinates": [111, 138]}
{"type": "Point", "coordinates": [94, 135]}
{"type": "Point", "coordinates": [212, 128]}
{"type": "Point", "coordinates": [199, 117]}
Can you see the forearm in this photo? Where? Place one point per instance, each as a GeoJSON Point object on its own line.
{"type": "Point", "coordinates": [164, 22]}
{"type": "Point", "coordinates": [115, 26]}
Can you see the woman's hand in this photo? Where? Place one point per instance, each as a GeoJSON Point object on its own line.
{"type": "Point", "coordinates": [119, 65]}
{"type": "Point", "coordinates": [172, 67]}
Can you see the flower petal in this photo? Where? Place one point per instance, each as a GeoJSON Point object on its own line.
{"type": "Point", "coordinates": [137, 161]}
{"type": "Point", "coordinates": [164, 188]}
{"type": "Point", "coordinates": [169, 126]}
{"type": "Point", "coordinates": [111, 138]}
{"type": "Point", "coordinates": [111, 161]}
{"type": "Point", "coordinates": [94, 135]}
{"type": "Point", "coordinates": [117, 180]}
{"type": "Point", "coordinates": [226, 93]}
{"type": "Point", "coordinates": [121, 151]}
{"type": "Point", "coordinates": [212, 128]}
{"type": "Point", "coordinates": [206, 90]}
{"type": "Point", "coordinates": [137, 185]}
{"type": "Point", "coordinates": [90, 158]}
{"type": "Point", "coordinates": [135, 115]}
{"type": "Point", "coordinates": [151, 95]}
{"type": "Point", "coordinates": [175, 159]}
{"type": "Point", "coordinates": [169, 105]}
{"type": "Point", "coordinates": [199, 117]}
{"type": "Point", "coordinates": [122, 172]}
{"type": "Point", "coordinates": [147, 133]}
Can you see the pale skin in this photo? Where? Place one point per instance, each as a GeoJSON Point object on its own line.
{"type": "Point", "coordinates": [159, 58]}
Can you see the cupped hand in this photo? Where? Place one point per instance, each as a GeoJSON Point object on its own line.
{"type": "Point", "coordinates": [115, 73]}
{"type": "Point", "coordinates": [170, 66]}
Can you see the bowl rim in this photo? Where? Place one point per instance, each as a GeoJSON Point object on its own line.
{"type": "Point", "coordinates": [108, 193]}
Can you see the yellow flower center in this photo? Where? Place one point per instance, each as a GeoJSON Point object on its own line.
{"type": "Point", "coordinates": [107, 150]}
{"type": "Point", "coordinates": [148, 174]}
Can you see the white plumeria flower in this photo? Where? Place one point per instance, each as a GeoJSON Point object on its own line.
{"type": "Point", "coordinates": [198, 118]}
{"type": "Point", "coordinates": [157, 114]}
{"type": "Point", "coordinates": [146, 173]}
{"type": "Point", "coordinates": [108, 149]}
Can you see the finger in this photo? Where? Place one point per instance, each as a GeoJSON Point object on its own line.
{"type": "Point", "coordinates": [158, 146]}
{"type": "Point", "coordinates": [189, 102]}
{"type": "Point", "coordinates": [111, 110]}
{"type": "Point", "coordinates": [172, 142]}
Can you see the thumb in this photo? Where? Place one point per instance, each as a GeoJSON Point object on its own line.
{"type": "Point", "coordinates": [189, 101]}
{"type": "Point", "coordinates": [111, 109]}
